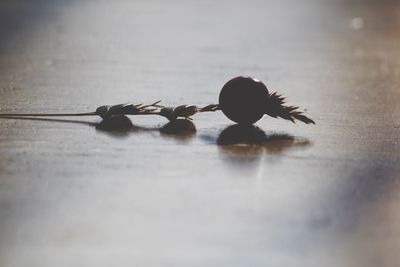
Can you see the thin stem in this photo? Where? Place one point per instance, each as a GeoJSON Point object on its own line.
{"type": "Point", "coordinates": [210, 108]}
{"type": "Point", "coordinates": [48, 114]}
{"type": "Point", "coordinates": [155, 104]}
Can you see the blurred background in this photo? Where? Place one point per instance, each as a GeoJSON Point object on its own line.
{"type": "Point", "coordinates": [72, 193]}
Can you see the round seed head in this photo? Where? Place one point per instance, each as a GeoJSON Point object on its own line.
{"type": "Point", "coordinates": [243, 99]}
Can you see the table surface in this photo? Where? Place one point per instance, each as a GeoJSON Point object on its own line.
{"type": "Point", "coordinates": [73, 193]}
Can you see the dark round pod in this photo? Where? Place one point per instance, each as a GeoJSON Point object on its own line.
{"type": "Point", "coordinates": [243, 100]}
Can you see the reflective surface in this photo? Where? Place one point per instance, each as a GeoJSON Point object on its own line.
{"type": "Point", "coordinates": [78, 193]}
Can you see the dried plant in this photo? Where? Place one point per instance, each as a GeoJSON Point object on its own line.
{"type": "Point", "coordinates": [171, 113]}
{"type": "Point", "coordinates": [244, 100]}
{"type": "Point", "coordinates": [275, 107]}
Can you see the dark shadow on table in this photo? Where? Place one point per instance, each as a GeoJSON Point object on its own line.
{"type": "Point", "coordinates": [240, 142]}
{"type": "Point", "coordinates": [246, 143]}
{"type": "Point", "coordinates": [122, 126]}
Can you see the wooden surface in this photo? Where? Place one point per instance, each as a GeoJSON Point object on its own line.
{"type": "Point", "coordinates": [73, 194]}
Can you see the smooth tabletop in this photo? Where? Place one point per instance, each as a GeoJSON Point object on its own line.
{"type": "Point", "coordinates": [73, 193]}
